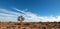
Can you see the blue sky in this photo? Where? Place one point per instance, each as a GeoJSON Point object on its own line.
{"type": "Point", "coordinates": [39, 8]}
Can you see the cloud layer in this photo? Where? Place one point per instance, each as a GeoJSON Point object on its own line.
{"type": "Point", "coordinates": [6, 16]}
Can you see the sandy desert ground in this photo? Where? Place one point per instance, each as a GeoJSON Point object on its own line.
{"type": "Point", "coordinates": [29, 25]}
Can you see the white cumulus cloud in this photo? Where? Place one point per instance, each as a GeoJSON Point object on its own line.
{"type": "Point", "coordinates": [7, 16]}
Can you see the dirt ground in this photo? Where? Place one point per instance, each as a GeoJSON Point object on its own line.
{"type": "Point", "coordinates": [29, 25]}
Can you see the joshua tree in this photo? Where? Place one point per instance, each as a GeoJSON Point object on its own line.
{"type": "Point", "coordinates": [20, 18]}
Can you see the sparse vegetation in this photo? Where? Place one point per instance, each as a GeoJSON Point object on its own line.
{"type": "Point", "coordinates": [36, 25]}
